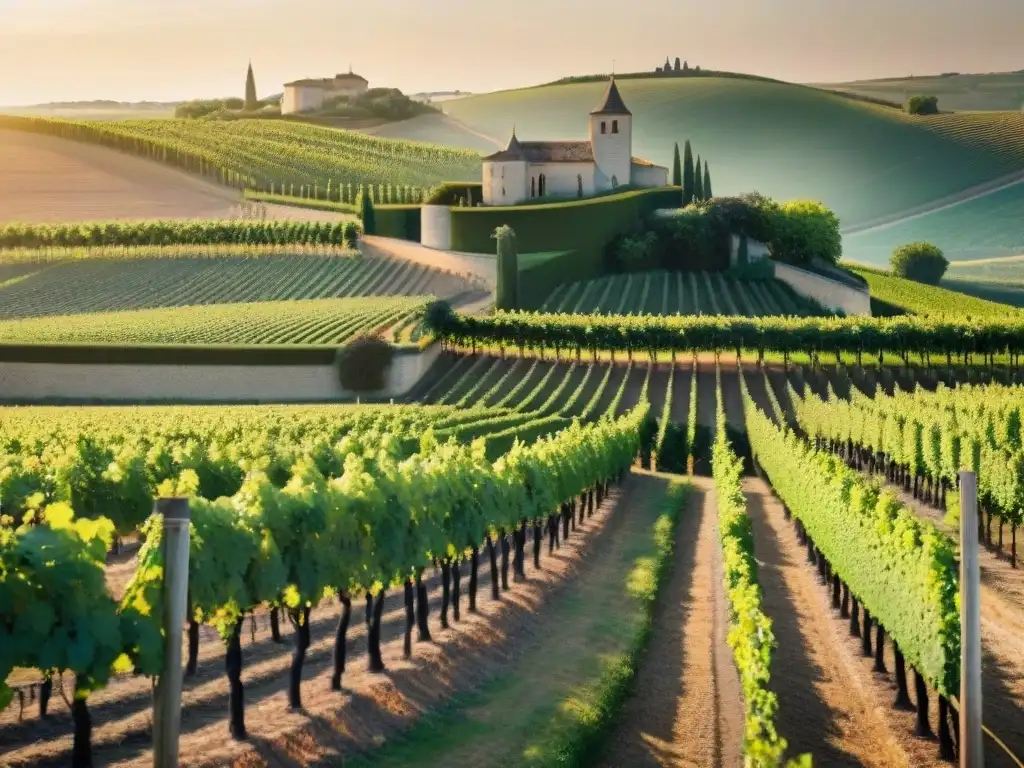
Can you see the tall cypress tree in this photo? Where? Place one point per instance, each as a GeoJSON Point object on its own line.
{"type": "Point", "coordinates": [677, 167]}
{"type": "Point", "coordinates": [508, 268]}
{"type": "Point", "coordinates": [367, 213]}
{"type": "Point", "coordinates": [687, 174]}
{"type": "Point", "coordinates": [698, 182]}
{"type": "Point", "coordinates": [251, 102]}
{"type": "Point", "coordinates": [708, 194]}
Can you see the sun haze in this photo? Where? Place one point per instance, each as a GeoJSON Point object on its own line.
{"type": "Point", "coordinates": [164, 50]}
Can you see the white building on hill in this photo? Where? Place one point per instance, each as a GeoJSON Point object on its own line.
{"type": "Point", "coordinates": [528, 169]}
{"type": "Point", "coordinates": [309, 94]}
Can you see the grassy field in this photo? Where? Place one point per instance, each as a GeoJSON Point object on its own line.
{"type": "Point", "coordinates": [995, 91]}
{"type": "Point", "coordinates": [985, 227]}
{"type": "Point", "coordinates": [668, 293]}
{"type": "Point", "coordinates": [110, 284]}
{"type": "Point", "coordinates": [316, 321]}
{"type": "Point", "coordinates": [278, 151]}
{"type": "Point", "coordinates": [894, 295]}
{"type": "Point", "coordinates": [786, 141]}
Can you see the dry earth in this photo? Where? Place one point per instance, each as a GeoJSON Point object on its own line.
{"type": "Point", "coordinates": [371, 710]}
{"type": "Point", "coordinates": [687, 707]}
{"type": "Point", "coordinates": [47, 179]}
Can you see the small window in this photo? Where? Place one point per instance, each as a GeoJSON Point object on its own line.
{"type": "Point", "coordinates": [615, 181]}
{"type": "Point", "coordinates": [604, 127]}
{"type": "Point", "coordinates": [502, 191]}
{"type": "Point", "coordinates": [615, 126]}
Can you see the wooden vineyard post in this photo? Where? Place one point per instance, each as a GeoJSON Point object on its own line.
{"type": "Point", "coordinates": [167, 703]}
{"type": "Point", "coordinates": [971, 747]}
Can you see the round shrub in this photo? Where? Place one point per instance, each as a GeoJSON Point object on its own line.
{"type": "Point", "coordinates": [363, 364]}
{"type": "Point", "coordinates": [922, 262]}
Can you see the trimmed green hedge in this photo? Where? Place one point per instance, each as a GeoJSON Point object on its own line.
{"type": "Point", "coordinates": [400, 221]}
{"type": "Point", "coordinates": [541, 273]}
{"type": "Point", "coordinates": [586, 226]}
{"type": "Point", "coordinates": [449, 193]}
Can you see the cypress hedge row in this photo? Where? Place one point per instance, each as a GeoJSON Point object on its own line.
{"type": "Point", "coordinates": [900, 336]}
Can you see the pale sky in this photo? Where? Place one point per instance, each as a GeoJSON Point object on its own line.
{"type": "Point", "coordinates": [164, 50]}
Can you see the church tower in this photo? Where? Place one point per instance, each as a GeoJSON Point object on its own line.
{"type": "Point", "coordinates": [611, 136]}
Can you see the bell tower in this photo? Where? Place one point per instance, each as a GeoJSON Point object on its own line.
{"type": "Point", "coordinates": [611, 137]}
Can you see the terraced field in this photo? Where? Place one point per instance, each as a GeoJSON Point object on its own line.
{"type": "Point", "coordinates": [269, 151]}
{"type": "Point", "coordinates": [686, 293]}
{"type": "Point", "coordinates": [316, 321]}
{"type": "Point", "coordinates": [894, 295]}
{"type": "Point", "coordinates": [786, 141]}
{"type": "Point", "coordinates": [110, 284]}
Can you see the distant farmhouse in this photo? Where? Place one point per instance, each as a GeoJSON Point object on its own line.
{"type": "Point", "coordinates": [529, 169]}
{"type": "Point", "coordinates": [310, 94]}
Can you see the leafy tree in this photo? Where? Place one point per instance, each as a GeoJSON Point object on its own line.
{"type": "Point", "coordinates": [363, 364]}
{"type": "Point", "coordinates": [508, 268]}
{"type": "Point", "coordinates": [803, 230]}
{"type": "Point", "coordinates": [251, 102]}
{"type": "Point", "coordinates": [708, 194]}
{"type": "Point", "coordinates": [367, 213]}
{"type": "Point", "coordinates": [920, 261]}
{"type": "Point", "coordinates": [677, 63]}
{"type": "Point", "coordinates": [677, 167]}
{"type": "Point", "coordinates": [668, 66]}
{"type": "Point", "coordinates": [923, 105]}
{"type": "Point", "coordinates": [698, 182]}
{"type": "Point", "coordinates": [688, 181]}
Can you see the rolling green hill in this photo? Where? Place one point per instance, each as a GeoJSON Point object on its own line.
{"type": "Point", "coordinates": [891, 295]}
{"type": "Point", "coordinates": [994, 91]}
{"type": "Point", "coordinates": [985, 227]}
{"type": "Point", "coordinates": [865, 161]}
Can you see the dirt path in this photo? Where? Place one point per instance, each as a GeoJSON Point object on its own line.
{"type": "Point", "coordinates": [823, 707]}
{"type": "Point", "coordinates": [520, 712]}
{"type": "Point", "coordinates": [687, 709]}
{"type": "Point", "coordinates": [370, 710]}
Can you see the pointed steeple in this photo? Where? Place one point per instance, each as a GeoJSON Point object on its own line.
{"type": "Point", "coordinates": [612, 103]}
{"type": "Point", "coordinates": [513, 145]}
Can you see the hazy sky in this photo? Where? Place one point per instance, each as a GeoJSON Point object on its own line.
{"type": "Point", "coordinates": [165, 50]}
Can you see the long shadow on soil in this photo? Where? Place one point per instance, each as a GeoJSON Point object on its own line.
{"type": "Point", "coordinates": [804, 719]}
{"type": "Point", "coordinates": [1001, 713]}
{"type": "Point", "coordinates": [408, 681]}
{"type": "Point", "coordinates": [662, 691]}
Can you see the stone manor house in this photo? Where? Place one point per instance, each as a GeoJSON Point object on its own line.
{"type": "Point", "coordinates": [530, 169]}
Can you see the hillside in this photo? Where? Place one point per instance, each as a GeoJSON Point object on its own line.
{"type": "Point", "coordinates": [891, 295]}
{"type": "Point", "coordinates": [786, 141]}
{"type": "Point", "coordinates": [269, 151]}
{"type": "Point", "coordinates": [979, 228]}
{"type": "Point", "coordinates": [992, 91]}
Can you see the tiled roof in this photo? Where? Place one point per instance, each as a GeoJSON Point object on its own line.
{"type": "Point", "coordinates": [612, 103]}
{"type": "Point", "coordinates": [646, 163]}
{"type": "Point", "coordinates": [544, 152]}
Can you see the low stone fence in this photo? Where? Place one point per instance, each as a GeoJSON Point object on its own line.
{"type": "Point", "coordinates": [119, 379]}
{"type": "Point", "coordinates": [833, 294]}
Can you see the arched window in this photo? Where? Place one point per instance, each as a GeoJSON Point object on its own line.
{"type": "Point", "coordinates": [615, 126]}
{"type": "Point", "coordinates": [542, 186]}
{"type": "Point", "coordinates": [533, 186]}
{"type": "Point", "coordinates": [604, 127]}
{"type": "Point", "coordinates": [615, 181]}
{"type": "Point", "coordinates": [579, 185]}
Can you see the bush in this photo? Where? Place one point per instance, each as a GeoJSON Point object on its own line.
{"type": "Point", "coordinates": [803, 230]}
{"type": "Point", "coordinates": [448, 192]}
{"type": "Point", "coordinates": [508, 268]}
{"type": "Point", "coordinates": [923, 105]}
{"type": "Point", "coordinates": [363, 365]}
{"type": "Point", "coordinates": [922, 262]}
